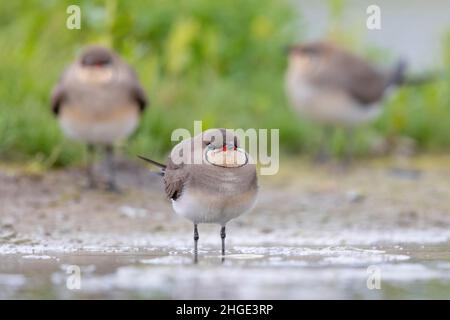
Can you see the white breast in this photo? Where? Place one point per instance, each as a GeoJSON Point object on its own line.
{"type": "Point", "coordinates": [327, 105]}
{"type": "Point", "coordinates": [91, 128]}
{"type": "Point", "coordinates": [202, 207]}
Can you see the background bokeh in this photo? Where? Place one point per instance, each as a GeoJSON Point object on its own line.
{"type": "Point", "coordinates": [217, 61]}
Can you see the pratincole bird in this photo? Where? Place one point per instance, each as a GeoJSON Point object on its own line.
{"type": "Point", "coordinates": [98, 100]}
{"type": "Point", "coordinates": [210, 179]}
{"type": "Point", "coordinates": [332, 87]}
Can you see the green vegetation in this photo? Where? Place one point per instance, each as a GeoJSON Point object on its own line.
{"type": "Point", "coordinates": [220, 62]}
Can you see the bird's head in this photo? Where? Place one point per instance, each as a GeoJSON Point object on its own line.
{"type": "Point", "coordinates": [96, 64]}
{"type": "Point", "coordinates": [96, 56]}
{"type": "Point", "coordinates": [308, 56]}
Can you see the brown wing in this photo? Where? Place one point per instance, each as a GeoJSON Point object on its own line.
{"type": "Point", "coordinates": [140, 97]}
{"type": "Point", "coordinates": [354, 75]}
{"type": "Point", "coordinates": [137, 92]}
{"type": "Point", "coordinates": [364, 83]}
{"type": "Point", "coordinates": [57, 98]}
{"type": "Point", "coordinates": [58, 94]}
{"type": "Point", "coordinates": [175, 177]}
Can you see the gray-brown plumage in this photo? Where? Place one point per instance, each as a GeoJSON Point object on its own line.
{"type": "Point", "coordinates": [98, 100]}
{"type": "Point", "coordinates": [210, 179]}
{"type": "Point", "coordinates": [333, 87]}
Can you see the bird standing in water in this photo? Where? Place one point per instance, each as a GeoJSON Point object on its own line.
{"type": "Point", "coordinates": [332, 87]}
{"type": "Point", "coordinates": [209, 179]}
{"type": "Point", "coordinates": [98, 100]}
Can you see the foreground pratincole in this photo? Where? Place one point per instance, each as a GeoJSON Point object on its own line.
{"type": "Point", "coordinates": [210, 179]}
{"type": "Point", "coordinates": [98, 101]}
{"type": "Point", "coordinates": [333, 87]}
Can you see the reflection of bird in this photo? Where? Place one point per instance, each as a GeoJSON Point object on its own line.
{"type": "Point", "coordinates": [210, 179]}
{"type": "Point", "coordinates": [330, 86]}
{"type": "Point", "coordinates": [98, 101]}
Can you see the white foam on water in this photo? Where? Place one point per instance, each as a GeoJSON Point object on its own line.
{"type": "Point", "coordinates": [405, 272]}
{"type": "Point", "coordinates": [31, 249]}
{"type": "Point", "coordinates": [12, 280]}
{"type": "Point", "coordinates": [303, 251]}
{"type": "Point", "coordinates": [167, 260]}
{"type": "Point", "coordinates": [244, 256]}
{"type": "Point", "coordinates": [52, 246]}
{"type": "Point", "coordinates": [363, 259]}
{"type": "Point", "coordinates": [354, 237]}
{"type": "Point", "coordinates": [39, 257]}
{"type": "Point", "coordinates": [133, 242]}
{"type": "Point", "coordinates": [326, 256]}
{"type": "Point", "coordinates": [253, 283]}
{"type": "Point", "coordinates": [443, 265]}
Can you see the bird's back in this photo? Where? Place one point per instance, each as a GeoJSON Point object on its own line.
{"type": "Point", "coordinates": [344, 71]}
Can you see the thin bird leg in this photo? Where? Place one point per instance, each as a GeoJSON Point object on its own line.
{"type": "Point", "coordinates": [223, 236]}
{"type": "Point", "coordinates": [349, 147]}
{"type": "Point", "coordinates": [322, 155]}
{"type": "Point", "coordinates": [91, 184]}
{"type": "Point", "coordinates": [111, 183]}
{"type": "Point", "coordinates": [196, 237]}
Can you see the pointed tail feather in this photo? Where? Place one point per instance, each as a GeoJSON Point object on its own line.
{"type": "Point", "coordinates": [397, 75]}
{"type": "Point", "coordinates": [160, 165]}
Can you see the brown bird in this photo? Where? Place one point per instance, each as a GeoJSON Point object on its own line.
{"type": "Point", "coordinates": [210, 179]}
{"type": "Point", "coordinates": [98, 100]}
{"type": "Point", "coordinates": [330, 86]}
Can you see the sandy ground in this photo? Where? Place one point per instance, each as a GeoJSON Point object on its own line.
{"type": "Point", "coordinates": [316, 232]}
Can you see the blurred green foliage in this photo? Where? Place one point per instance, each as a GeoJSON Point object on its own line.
{"type": "Point", "coordinates": [217, 61]}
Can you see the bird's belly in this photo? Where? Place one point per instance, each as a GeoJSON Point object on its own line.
{"type": "Point", "coordinates": [332, 108]}
{"type": "Point", "coordinates": [98, 126]}
{"type": "Point", "coordinates": [202, 207]}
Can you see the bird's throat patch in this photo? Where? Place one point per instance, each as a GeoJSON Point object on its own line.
{"type": "Point", "coordinates": [95, 75]}
{"type": "Point", "coordinates": [227, 159]}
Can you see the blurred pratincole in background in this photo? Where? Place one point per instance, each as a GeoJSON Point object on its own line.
{"type": "Point", "coordinates": [330, 86]}
{"type": "Point", "coordinates": [98, 100]}
{"type": "Point", "coordinates": [213, 184]}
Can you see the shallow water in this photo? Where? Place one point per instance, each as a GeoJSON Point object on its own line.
{"type": "Point", "coordinates": [248, 272]}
